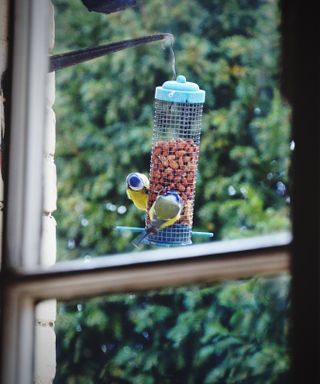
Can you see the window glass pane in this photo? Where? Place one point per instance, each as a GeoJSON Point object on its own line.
{"type": "Point", "coordinates": [104, 110]}
{"type": "Point", "coordinates": [232, 332]}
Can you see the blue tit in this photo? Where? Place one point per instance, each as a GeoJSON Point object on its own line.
{"type": "Point", "coordinates": [137, 189]}
{"type": "Point", "coordinates": [164, 212]}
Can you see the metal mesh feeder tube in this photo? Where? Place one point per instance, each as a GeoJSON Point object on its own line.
{"type": "Point", "coordinates": [175, 152]}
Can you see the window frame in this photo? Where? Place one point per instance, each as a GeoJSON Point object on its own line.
{"type": "Point", "coordinates": [300, 85]}
{"type": "Point", "coordinates": [210, 263]}
{"type": "Point", "coordinates": [29, 70]}
{"type": "Point", "coordinates": [23, 284]}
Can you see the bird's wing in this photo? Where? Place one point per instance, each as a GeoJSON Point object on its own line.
{"type": "Point", "coordinates": [156, 225]}
{"type": "Point", "coordinates": [139, 239]}
{"type": "Point", "coordinates": [167, 211]}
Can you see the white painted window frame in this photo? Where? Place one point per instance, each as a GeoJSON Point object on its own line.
{"type": "Point", "coordinates": [25, 192]}
{"type": "Point", "coordinates": [24, 282]}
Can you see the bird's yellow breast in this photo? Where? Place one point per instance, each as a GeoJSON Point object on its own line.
{"type": "Point", "coordinates": [139, 198]}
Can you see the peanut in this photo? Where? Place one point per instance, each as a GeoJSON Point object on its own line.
{"type": "Point", "coordinates": [181, 153]}
{"type": "Point", "coordinates": [169, 176]}
{"type": "Point", "coordinates": [173, 164]}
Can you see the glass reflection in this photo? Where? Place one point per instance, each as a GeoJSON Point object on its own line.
{"type": "Point", "coordinates": [104, 111]}
{"type": "Point", "coordinates": [234, 332]}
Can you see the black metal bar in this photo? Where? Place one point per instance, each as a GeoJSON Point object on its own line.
{"type": "Point", "coordinates": [301, 86]}
{"type": "Point", "coordinates": [108, 6]}
{"type": "Point", "coordinates": [75, 57]}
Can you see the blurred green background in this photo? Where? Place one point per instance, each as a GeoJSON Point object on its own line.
{"type": "Point", "coordinates": [104, 112]}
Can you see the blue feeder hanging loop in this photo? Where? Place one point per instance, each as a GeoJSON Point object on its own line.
{"type": "Point", "coordinates": [175, 152]}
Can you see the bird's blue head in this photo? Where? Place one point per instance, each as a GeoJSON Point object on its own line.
{"type": "Point", "coordinates": [134, 182]}
{"type": "Point", "coordinates": [174, 194]}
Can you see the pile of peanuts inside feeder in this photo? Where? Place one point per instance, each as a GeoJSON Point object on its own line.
{"type": "Point", "coordinates": [175, 151]}
{"type": "Point", "coordinates": [173, 167]}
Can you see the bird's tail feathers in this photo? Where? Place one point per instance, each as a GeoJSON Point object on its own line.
{"type": "Point", "coordinates": [139, 239]}
{"type": "Point", "coordinates": [151, 229]}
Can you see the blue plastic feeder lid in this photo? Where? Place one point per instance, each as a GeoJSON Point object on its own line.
{"type": "Point", "coordinates": [180, 91]}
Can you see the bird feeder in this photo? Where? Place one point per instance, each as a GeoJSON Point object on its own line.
{"type": "Point", "coordinates": [175, 152]}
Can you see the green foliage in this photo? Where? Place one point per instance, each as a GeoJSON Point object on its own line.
{"type": "Point", "coordinates": [235, 332]}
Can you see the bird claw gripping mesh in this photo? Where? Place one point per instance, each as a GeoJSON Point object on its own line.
{"type": "Point", "coordinates": [175, 152]}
